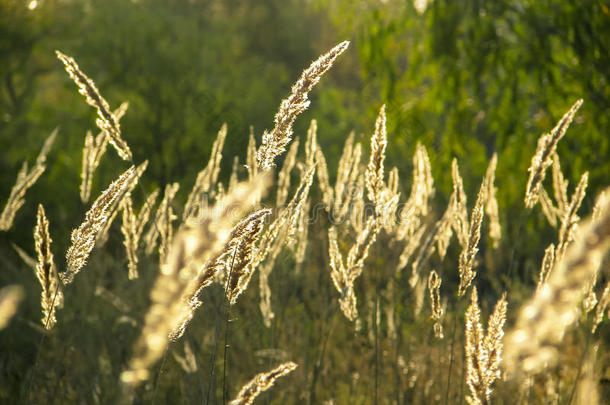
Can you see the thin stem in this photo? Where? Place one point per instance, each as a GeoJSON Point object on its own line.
{"type": "Point", "coordinates": [462, 381]}
{"type": "Point", "coordinates": [557, 387]}
{"type": "Point", "coordinates": [517, 244]}
{"type": "Point", "coordinates": [226, 344]}
{"type": "Point", "coordinates": [318, 365]}
{"type": "Point", "coordinates": [199, 376]}
{"type": "Point", "coordinates": [451, 357]}
{"type": "Point", "coordinates": [376, 322]}
{"type": "Point", "coordinates": [159, 374]}
{"type": "Point", "coordinates": [44, 335]}
{"type": "Point", "coordinates": [580, 363]}
{"type": "Point", "coordinates": [213, 360]}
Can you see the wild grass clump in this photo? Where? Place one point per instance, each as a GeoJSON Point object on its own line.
{"type": "Point", "coordinates": [343, 264]}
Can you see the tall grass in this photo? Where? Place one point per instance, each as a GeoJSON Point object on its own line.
{"type": "Point", "coordinates": [356, 246]}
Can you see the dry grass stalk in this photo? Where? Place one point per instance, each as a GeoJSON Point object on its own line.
{"type": "Point", "coordinates": [41, 159]}
{"type": "Point", "coordinates": [280, 233]}
{"type": "Point", "coordinates": [468, 255]}
{"type": "Point", "coordinates": [426, 248]}
{"type": "Point", "coordinates": [560, 186]}
{"type": "Point", "coordinates": [236, 259]}
{"type": "Point", "coordinates": [391, 197]}
{"type": "Point", "coordinates": [340, 277]}
{"type": "Point", "coordinates": [483, 350]}
{"type": "Point", "coordinates": [602, 306]}
{"type": "Point", "coordinates": [104, 233]}
{"type": "Point", "coordinates": [283, 177]}
{"type": "Point", "coordinates": [234, 178]}
{"type": "Point", "coordinates": [260, 383]}
{"type": "Point", "coordinates": [569, 220]}
{"type": "Point", "coordinates": [265, 292]}
{"type": "Point", "coordinates": [419, 295]}
{"type": "Point", "coordinates": [413, 242]}
{"type": "Point", "coordinates": [548, 261]}
{"type": "Point", "coordinates": [357, 215]}
{"type": "Point", "coordinates": [590, 300]}
{"type": "Point", "coordinates": [323, 180]}
{"type": "Point", "coordinates": [491, 203]}
{"type": "Point", "coordinates": [302, 232]}
{"type": "Point", "coordinates": [344, 275]}
{"type": "Point", "coordinates": [106, 121]}
{"type": "Point", "coordinates": [387, 211]}
{"type": "Point", "coordinates": [206, 179]}
{"type": "Point", "coordinates": [112, 299]}
{"type": "Point", "coordinates": [543, 320]}
{"type": "Point", "coordinates": [102, 236]}
{"type": "Point", "coordinates": [548, 209]}
{"type": "Point", "coordinates": [374, 174]}
{"type": "Point", "coordinates": [25, 180]}
{"type": "Point", "coordinates": [236, 255]}
{"type": "Point", "coordinates": [422, 240]}
{"type": "Point", "coordinates": [347, 187]}
{"type": "Point", "coordinates": [27, 259]}
{"type": "Point", "coordinates": [393, 180]}
{"type": "Point", "coordinates": [445, 232]}
{"type": "Point", "coordinates": [390, 314]}
{"type": "Point", "coordinates": [459, 210]}
{"type": "Point", "coordinates": [132, 229]}
{"type": "Point", "coordinates": [274, 142]}
{"type": "Point", "coordinates": [251, 164]}
{"type": "Point", "coordinates": [344, 170]}
{"type": "Point", "coordinates": [600, 203]}
{"type": "Point", "coordinates": [359, 252]}
{"type": "Point", "coordinates": [10, 297]}
{"type": "Point", "coordinates": [164, 218]}
{"type": "Point", "coordinates": [46, 272]}
{"type": "Point", "coordinates": [311, 144]}
{"type": "Point", "coordinates": [547, 144]}
{"type": "Point", "coordinates": [151, 239]}
{"type": "Point", "coordinates": [422, 189]}
{"type": "Point", "coordinates": [188, 362]}
{"type": "Point", "coordinates": [181, 276]}
{"type": "Point", "coordinates": [83, 238]}
{"type": "Point", "coordinates": [286, 223]}
{"type": "Point", "coordinates": [93, 151]}
{"type": "Point", "coordinates": [587, 388]}
{"type": "Point", "coordinates": [434, 285]}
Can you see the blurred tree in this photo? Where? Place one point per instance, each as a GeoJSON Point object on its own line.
{"type": "Point", "coordinates": [473, 77]}
{"type": "Point", "coordinates": [184, 66]}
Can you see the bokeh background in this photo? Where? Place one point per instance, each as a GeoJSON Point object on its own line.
{"type": "Point", "coordinates": [466, 79]}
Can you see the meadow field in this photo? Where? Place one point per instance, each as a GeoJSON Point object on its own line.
{"type": "Point", "coordinates": [303, 263]}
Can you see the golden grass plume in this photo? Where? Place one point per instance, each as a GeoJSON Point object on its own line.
{"type": "Point", "coordinates": [547, 144]}
{"type": "Point", "coordinates": [46, 272]}
{"type": "Point", "coordinates": [25, 179]}
{"type": "Point", "coordinates": [132, 228]}
{"type": "Point", "coordinates": [260, 383]}
{"type": "Point", "coordinates": [436, 310]}
{"type": "Point", "coordinates": [106, 121]}
{"type": "Point", "coordinates": [543, 320]}
{"type": "Point", "coordinates": [483, 350]}
{"type": "Point", "coordinates": [94, 149]}
{"type": "Point", "coordinates": [83, 237]}
{"type": "Point", "coordinates": [180, 276]}
{"type": "Point", "coordinates": [374, 174]}
{"type": "Point", "coordinates": [274, 142]}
